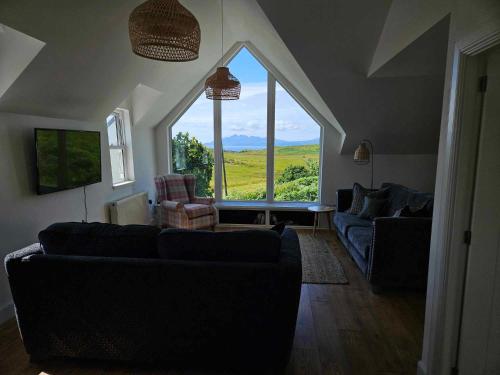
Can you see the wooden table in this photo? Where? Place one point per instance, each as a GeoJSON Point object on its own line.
{"type": "Point", "coordinates": [328, 210]}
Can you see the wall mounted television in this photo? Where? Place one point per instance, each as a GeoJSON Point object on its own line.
{"type": "Point", "coordinates": [67, 159]}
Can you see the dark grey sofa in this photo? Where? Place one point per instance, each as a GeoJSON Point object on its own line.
{"type": "Point", "coordinates": [390, 251]}
{"type": "Point", "coordinates": [151, 309]}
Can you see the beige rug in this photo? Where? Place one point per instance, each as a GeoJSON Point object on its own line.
{"type": "Point", "coordinates": [319, 265]}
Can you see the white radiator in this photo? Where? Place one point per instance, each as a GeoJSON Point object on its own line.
{"type": "Point", "coordinates": [131, 210]}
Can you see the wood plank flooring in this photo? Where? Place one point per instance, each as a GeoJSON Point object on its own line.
{"type": "Point", "coordinates": [341, 330]}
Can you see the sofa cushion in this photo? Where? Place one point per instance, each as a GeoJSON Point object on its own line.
{"type": "Point", "coordinates": [399, 196]}
{"type": "Point", "coordinates": [343, 221]}
{"type": "Point", "coordinates": [358, 195]}
{"type": "Point", "coordinates": [100, 239]}
{"type": "Point", "coordinates": [361, 239]}
{"type": "Point", "coordinates": [372, 207]}
{"type": "Point", "coordinates": [237, 246]}
{"type": "Point", "coordinates": [194, 210]}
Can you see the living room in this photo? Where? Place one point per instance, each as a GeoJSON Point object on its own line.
{"type": "Point", "coordinates": [335, 96]}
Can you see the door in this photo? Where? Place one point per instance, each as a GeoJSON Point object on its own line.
{"type": "Point", "coordinates": [479, 350]}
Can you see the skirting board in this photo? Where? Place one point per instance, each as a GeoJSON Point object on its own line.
{"type": "Point", "coordinates": [6, 312]}
{"type": "Point", "coordinates": [421, 369]}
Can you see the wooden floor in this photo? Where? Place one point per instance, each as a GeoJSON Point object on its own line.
{"type": "Point", "coordinates": [341, 329]}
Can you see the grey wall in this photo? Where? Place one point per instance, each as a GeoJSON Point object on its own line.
{"type": "Point", "coordinates": [23, 213]}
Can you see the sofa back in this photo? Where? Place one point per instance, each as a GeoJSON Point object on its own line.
{"type": "Point", "coordinates": [157, 309]}
{"type": "Point", "coordinates": [235, 246]}
{"type": "Point", "coordinates": [399, 196]}
{"type": "Point", "coordinates": [100, 239]}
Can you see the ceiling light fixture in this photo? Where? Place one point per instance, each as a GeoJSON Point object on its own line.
{"type": "Point", "coordinates": [222, 85]}
{"type": "Point", "coordinates": [164, 30]}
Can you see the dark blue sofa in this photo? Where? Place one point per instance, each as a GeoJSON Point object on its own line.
{"type": "Point", "coordinates": [111, 306]}
{"type": "Point", "coordinates": [390, 251]}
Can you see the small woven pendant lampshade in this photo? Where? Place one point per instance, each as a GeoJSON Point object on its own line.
{"type": "Point", "coordinates": [222, 85]}
{"type": "Point", "coordinates": [164, 30]}
{"type": "Point", "coordinates": [362, 154]}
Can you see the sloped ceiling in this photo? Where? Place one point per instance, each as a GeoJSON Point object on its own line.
{"type": "Point", "coordinates": [86, 69]}
{"type": "Point", "coordinates": [334, 41]}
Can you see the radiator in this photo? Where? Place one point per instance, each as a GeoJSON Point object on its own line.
{"type": "Point", "coordinates": [131, 210]}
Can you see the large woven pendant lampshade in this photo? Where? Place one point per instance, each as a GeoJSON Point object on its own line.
{"type": "Point", "coordinates": [222, 85]}
{"type": "Point", "coordinates": [164, 30]}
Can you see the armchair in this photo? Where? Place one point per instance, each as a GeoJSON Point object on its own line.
{"type": "Point", "coordinates": [180, 207]}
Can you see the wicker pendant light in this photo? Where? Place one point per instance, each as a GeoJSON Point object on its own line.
{"type": "Point", "coordinates": [222, 85]}
{"type": "Point", "coordinates": [164, 30]}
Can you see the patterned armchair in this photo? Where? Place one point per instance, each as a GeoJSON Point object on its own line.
{"type": "Point", "coordinates": [179, 206]}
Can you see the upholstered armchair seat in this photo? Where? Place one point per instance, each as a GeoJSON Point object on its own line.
{"type": "Point", "coordinates": [179, 205]}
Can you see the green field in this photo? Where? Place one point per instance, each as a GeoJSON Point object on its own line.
{"type": "Point", "coordinates": [296, 170]}
{"type": "Point", "coordinates": [246, 170]}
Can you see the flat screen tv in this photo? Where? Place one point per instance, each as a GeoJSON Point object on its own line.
{"type": "Point", "coordinates": [67, 159]}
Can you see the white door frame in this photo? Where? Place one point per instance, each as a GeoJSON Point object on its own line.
{"type": "Point", "coordinates": [454, 189]}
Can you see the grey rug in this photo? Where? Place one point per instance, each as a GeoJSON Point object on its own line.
{"type": "Point", "coordinates": [319, 265]}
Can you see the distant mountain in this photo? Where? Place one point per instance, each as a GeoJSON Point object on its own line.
{"type": "Point", "coordinates": [245, 142]}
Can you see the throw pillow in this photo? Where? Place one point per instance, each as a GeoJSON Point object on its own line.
{"type": "Point", "coordinates": [358, 195]}
{"type": "Point", "coordinates": [372, 207]}
{"type": "Point", "coordinates": [408, 211]}
{"type": "Point", "coordinates": [279, 228]}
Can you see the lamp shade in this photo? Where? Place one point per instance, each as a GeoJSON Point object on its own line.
{"type": "Point", "coordinates": [164, 30]}
{"type": "Point", "coordinates": [362, 154]}
{"type": "Point", "coordinates": [222, 85]}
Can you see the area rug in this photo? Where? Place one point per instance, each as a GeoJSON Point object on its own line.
{"type": "Point", "coordinates": [319, 265]}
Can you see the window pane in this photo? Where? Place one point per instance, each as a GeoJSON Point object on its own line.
{"type": "Point", "coordinates": [244, 132]}
{"type": "Point", "coordinates": [193, 143]}
{"type": "Point", "coordinates": [117, 167]}
{"type": "Point", "coordinates": [296, 151]}
{"type": "Point", "coordinates": [112, 130]}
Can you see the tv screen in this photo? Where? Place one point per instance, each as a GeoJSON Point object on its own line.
{"type": "Point", "coordinates": [67, 159]}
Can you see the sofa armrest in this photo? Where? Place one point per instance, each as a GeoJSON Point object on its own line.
{"type": "Point", "coordinates": [203, 200]}
{"type": "Point", "coordinates": [171, 205]}
{"type": "Point", "coordinates": [400, 252]}
{"type": "Point", "coordinates": [12, 259]}
{"type": "Point", "coordinates": [344, 199]}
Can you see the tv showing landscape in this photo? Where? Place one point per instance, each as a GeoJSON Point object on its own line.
{"type": "Point", "coordinates": [67, 159]}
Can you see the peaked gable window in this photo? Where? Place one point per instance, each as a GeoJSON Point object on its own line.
{"type": "Point", "coordinates": [262, 147]}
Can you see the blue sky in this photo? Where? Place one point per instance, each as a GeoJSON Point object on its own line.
{"type": "Point", "coordinates": [248, 115]}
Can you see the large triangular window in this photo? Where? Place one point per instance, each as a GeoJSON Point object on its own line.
{"type": "Point", "coordinates": [262, 157]}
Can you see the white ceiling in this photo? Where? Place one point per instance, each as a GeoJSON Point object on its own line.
{"type": "Point", "coordinates": [399, 108]}
{"type": "Point", "coordinates": [86, 69]}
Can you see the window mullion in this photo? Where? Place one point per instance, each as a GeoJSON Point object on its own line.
{"type": "Point", "coordinates": [218, 150]}
{"type": "Point", "coordinates": [271, 101]}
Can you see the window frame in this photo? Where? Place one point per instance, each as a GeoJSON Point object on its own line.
{"type": "Point", "coordinates": [273, 76]}
{"type": "Point", "coordinates": [124, 138]}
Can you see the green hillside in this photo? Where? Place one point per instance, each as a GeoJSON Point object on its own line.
{"type": "Point", "coordinates": [295, 177]}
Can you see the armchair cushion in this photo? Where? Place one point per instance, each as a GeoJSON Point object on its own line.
{"type": "Point", "coordinates": [197, 210]}
{"type": "Point", "coordinates": [174, 206]}
{"type": "Point", "coordinates": [172, 187]}
{"type": "Point", "coordinates": [203, 200]}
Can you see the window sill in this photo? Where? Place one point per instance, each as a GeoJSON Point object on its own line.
{"type": "Point", "coordinates": [123, 184]}
{"type": "Point", "coordinates": [285, 206]}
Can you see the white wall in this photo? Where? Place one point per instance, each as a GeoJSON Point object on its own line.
{"type": "Point", "coordinates": [23, 213]}
{"type": "Point", "coordinates": [339, 171]}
